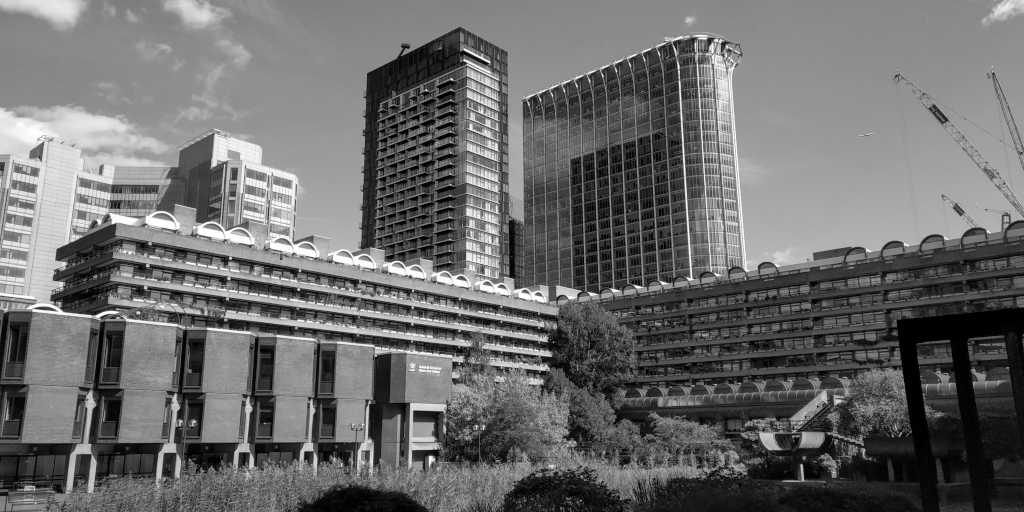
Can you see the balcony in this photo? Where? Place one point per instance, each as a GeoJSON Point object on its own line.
{"type": "Point", "coordinates": [326, 431]}
{"type": "Point", "coordinates": [264, 430]}
{"type": "Point", "coordinates": [325, 388]}
{"type": "Point", "coordinates": [11, 429]}
{"type": "Point", "coordinates": [108, 430]}
{"type": "Point", "coordinates": [110, 375]}
{"type": "Point", "coordinates": [194, 380]}
{"type": "Point", "coordinates": [14, 370]}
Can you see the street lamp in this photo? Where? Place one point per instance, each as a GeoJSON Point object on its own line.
{"type": "Point", "coordinates": [479, 429]}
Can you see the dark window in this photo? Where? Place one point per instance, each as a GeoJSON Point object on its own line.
{"type": "Point", "coordinates": [110, 416]}
{"type": "Point", "coordinates": [327, 359]}
{"type": "Point", "coordinates": [17, 346]}
{"type": "Point", "coordinates": [265, 368]}
{"type": "Point", "coordinates": [194, 365]}
{"type": "Point", "coordinates": [264, 419]}
{"type": "Point", "coordinates": [193, 419]}
{"type": "Point", "coordinates": [79, 425]}
{"type": "Point", "coordinates": [14, 413]}
{"type": "Point", "coordinates": [328, 416]}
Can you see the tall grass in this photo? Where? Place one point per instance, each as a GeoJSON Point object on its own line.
{"type": "Point", "coordinates": [449, 488]}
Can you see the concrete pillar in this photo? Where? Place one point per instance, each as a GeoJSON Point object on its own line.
{"type": "Point", "coordinates": [69, 480]}
{"type": "Point", "coordinates": [90, 406]}
{"type": "Point", "coordinates": [178, 462]}
{"type": "Point", "coordinates": [799, 469]}
{"type": "Point", "coordinates": [91, 482]}
{"type": "Point", "coordinates": [247, 406]}
{"type": "Point", "coordinates": [407, 445]}
{"type": "Point", "coordinates": [160, 465]}
{"type": "Point", "coordinates": [940, 475]}
{"type": "Point", "coordinates": [890, 470]}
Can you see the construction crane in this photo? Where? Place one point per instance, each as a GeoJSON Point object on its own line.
{"type": "Point", "coordinates": [965, 144]}
{"type": "Point", "coordinates": [1011, 124]}
{"type": "Point", "coordinates": [959, 211]}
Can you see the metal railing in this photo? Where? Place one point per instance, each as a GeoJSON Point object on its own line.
{"type": "Point", "coordinates": [14, 370]}
{"type": "Point", "coordinates": [11, 428]}
{"type": "Point", "coordinates": [193, 380]}
{"type": "Point", "coordinates": [264, 430]}
{"type": "Point", "coordinates": [110, 375]}
{"type": "Point", "coordinates": [108, 429]}
{"type": "Point", "coordinates": [326, 431]}
{"type": "Point", "coordinates": [325, 387]}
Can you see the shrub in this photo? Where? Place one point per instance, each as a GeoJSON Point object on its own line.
{"type": "Point", "coordinates": [810, 498]}
{"type": "Point", "coordinates": [712, 495]}
{"type": "Point", "coordinates": [362, 499]}
{"type": "Point", "coordinates": [572, 490]}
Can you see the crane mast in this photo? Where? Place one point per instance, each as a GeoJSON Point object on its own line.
{"type": "Point", "coordinates": [959, 211]}
{"type": "Point", "coordinates": [965, 144]}
{"type": "Point", "coordinates": [1011, 124]}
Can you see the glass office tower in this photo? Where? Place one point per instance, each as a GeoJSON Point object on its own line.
{"type": "Point", "coordinates": [435, 169]}
{"type": "Point", "coordinates": [631, 172]}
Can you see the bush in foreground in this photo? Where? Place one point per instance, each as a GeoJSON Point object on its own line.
{"type": "Point", "coordinates": [571, 490]}
{"type": "Point", "coordinates": [362, 499]}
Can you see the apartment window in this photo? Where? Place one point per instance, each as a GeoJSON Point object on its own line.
{"type": "Point", "coordinates": [264, 419]}
{"type": "Point", "coordinates": [14, 413]}
{"type": "Point", "coordinates": [193, 426]}
{"type": "Point", "coordinates": [90, 360]}
{"type": "Point", "coordinates": [78, 427]}
{"type": "Point", "coordinates": [194, 364]}
{"type": "Point", "coordinates": [110, 417]}
{"type": "Point", "coordinates": [113, 347]}
{"type": "Point", "coordinates": [265, 368]}
{"type": "Point", "coordinates": [326, 384]}
{"type": "Point", "coordinates": [17, 346]}
{"type": "Point", "coordinates": [328, 419]}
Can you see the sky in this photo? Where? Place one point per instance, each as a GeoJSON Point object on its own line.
{"type": "Point", "coordinates": [130, 81]}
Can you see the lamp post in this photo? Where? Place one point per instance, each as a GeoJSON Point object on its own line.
{"type": "Point", "coordinates": [357, 428]}
{"type": "Point", "coordinates": [183, 429]}
{"type": "Point", "coordinates": [479, 429]}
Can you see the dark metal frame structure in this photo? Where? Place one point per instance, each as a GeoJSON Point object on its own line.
{"type": "Point", "coordinates": [959, 329]}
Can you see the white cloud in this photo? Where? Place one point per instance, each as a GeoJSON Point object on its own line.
{"type": "Point", "coordinates": [197, 14]}
{"type": "Point", "coordinates": [113, 139]}
{"type": "Point", "coordinates": [109, 9]}
{"type": "Point", "coordinates": [1004, 10]}
{"type": "Point", "coordinates": [690, 20]}
{"type": "Point", "coordinates": [130, 16]}
{"type": "Point", "coordinates": [62, 14]}
{"type": "Point", "coordinates": [782, 257]}
{"type": "Point", "coordinates": [238, 54]}
{"type": "Point", "coordinates": [150, 52]}
{"type": "Point", "coordinates": [111, 92]}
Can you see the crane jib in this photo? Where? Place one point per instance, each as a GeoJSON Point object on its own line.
{"type": "Point", "coordinates": [939, 115]}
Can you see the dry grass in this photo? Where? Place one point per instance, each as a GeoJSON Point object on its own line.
{"type": "Point", "coordinates": [283, 488]}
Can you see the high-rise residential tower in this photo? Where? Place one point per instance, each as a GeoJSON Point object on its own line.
{"type": "Point", "coordinates": [225, 181]}
{"type": "Point", "coordinates": [631, 171]}
{"type": "Point", "coordinates": [435, 170]}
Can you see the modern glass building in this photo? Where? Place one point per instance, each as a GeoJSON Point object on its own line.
{"type": "Point", "coordinates": [631, 171]}
{"type": "Point", "coordinates": [435, 170]}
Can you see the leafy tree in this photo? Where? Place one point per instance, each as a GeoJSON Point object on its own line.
{"type": "Point", "coordinates": [589, 345]}
{"type": "Point", "coordinates": [876, 405]}
{"type": "Point", "coordinates": [591, 417]}
{"type": "Point", "coordinates": [518, 419]}
{"type": "Point", "coordinates": [673, 437]}
{"type": "Point", "coordinates": [476, 360]}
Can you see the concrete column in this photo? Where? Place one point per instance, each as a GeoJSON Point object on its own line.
{"type": "Point", "coordinates": [799, 469]}
{"type": "Point", "coordinates": [178, 462]}
{"type": "Point", "coordinates": [247, 405]}
{"type": "Point", "coordinates": [90, 406]}
{"type": "Point", "coordinates": [69, 480]}
{"type": "Point", "coordinates": [889, 469]}
{"type": "Point", "coordinates": [159, 465]}
{"type": "Point", "coordinates": [91, 482]}
{"type": "Point", "coordinates": [939, 473]}
{"type": "Point", "coordinates": [234, 458]}
{"type": "Point", "coordinates": [312, 419]}
{"type": "Point", "coordinates": [407, 445]}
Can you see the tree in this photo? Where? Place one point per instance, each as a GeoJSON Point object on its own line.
{"type": "Point", "coordinates": [876, 405]}
{"type": "Point", "coordinates": [591, 417]}
{"type": "Point", "coordinates": [589, 345]}
{"type": "Point", "coordinates": [513, 419]}
{"type": "Point", "coordinates": [476, 360]}
{"type": "Point", "coordinates": [673, 437]}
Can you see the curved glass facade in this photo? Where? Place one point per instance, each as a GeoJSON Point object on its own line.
{"type": "Point", "coordinates": [630, 170]}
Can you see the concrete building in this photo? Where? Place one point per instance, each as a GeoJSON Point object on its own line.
{"type": "Point", "coordinates": [171, 267]}
{"type": "Point", "coordinates": [631, 170]}
{"type": "Point", "coordinates": [435, 170]}
{"type": "Point", "coordinates": [778, 337]}
{"type": "Point", "coordinates": [226, 182]}
{"type": "Point", "coordinates": [139, 191]}
{"type": "Point", "coordinates": [87, 397]}
{"type": "Point", "coordinates": [47, 199]}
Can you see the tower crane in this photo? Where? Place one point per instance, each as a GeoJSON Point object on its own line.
{"type": "Point", "coordinates": [1011, 124]}
{"type": "Point", "coordinates": [986, 168]}
{"type": "Point", "coordinates": [959, 211]}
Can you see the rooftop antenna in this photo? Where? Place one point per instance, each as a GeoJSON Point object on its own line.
{"type": "Point", "coordinates": [405, 46]}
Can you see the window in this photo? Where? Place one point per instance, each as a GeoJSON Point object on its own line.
{"type": "Point", "coordinates": [110, 416]}
{"type": "Point", "coordinates": [328, 419]}
{"type": "Point", "coordinates": [264, 418]}
{"type": "Point", "coordinates": [78, 427]}
{"type": "Point", "coordinates": [265, 368]}
{"type": "Point", "coordinates": [327, 359]}
{"type": "Point", "coordinates": [14, 413]}
{"type": "Point", "coordinates": [112, 353]}
{"type": "Point", "coordinates": [194, 365]}
{"type": "Point", "coordinates": [193, 426]}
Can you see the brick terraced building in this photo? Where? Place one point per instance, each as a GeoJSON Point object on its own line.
{"type": "Point", "coordinates": [85, 397]}
{"type": "Point", "coordinates": [169, 267]}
